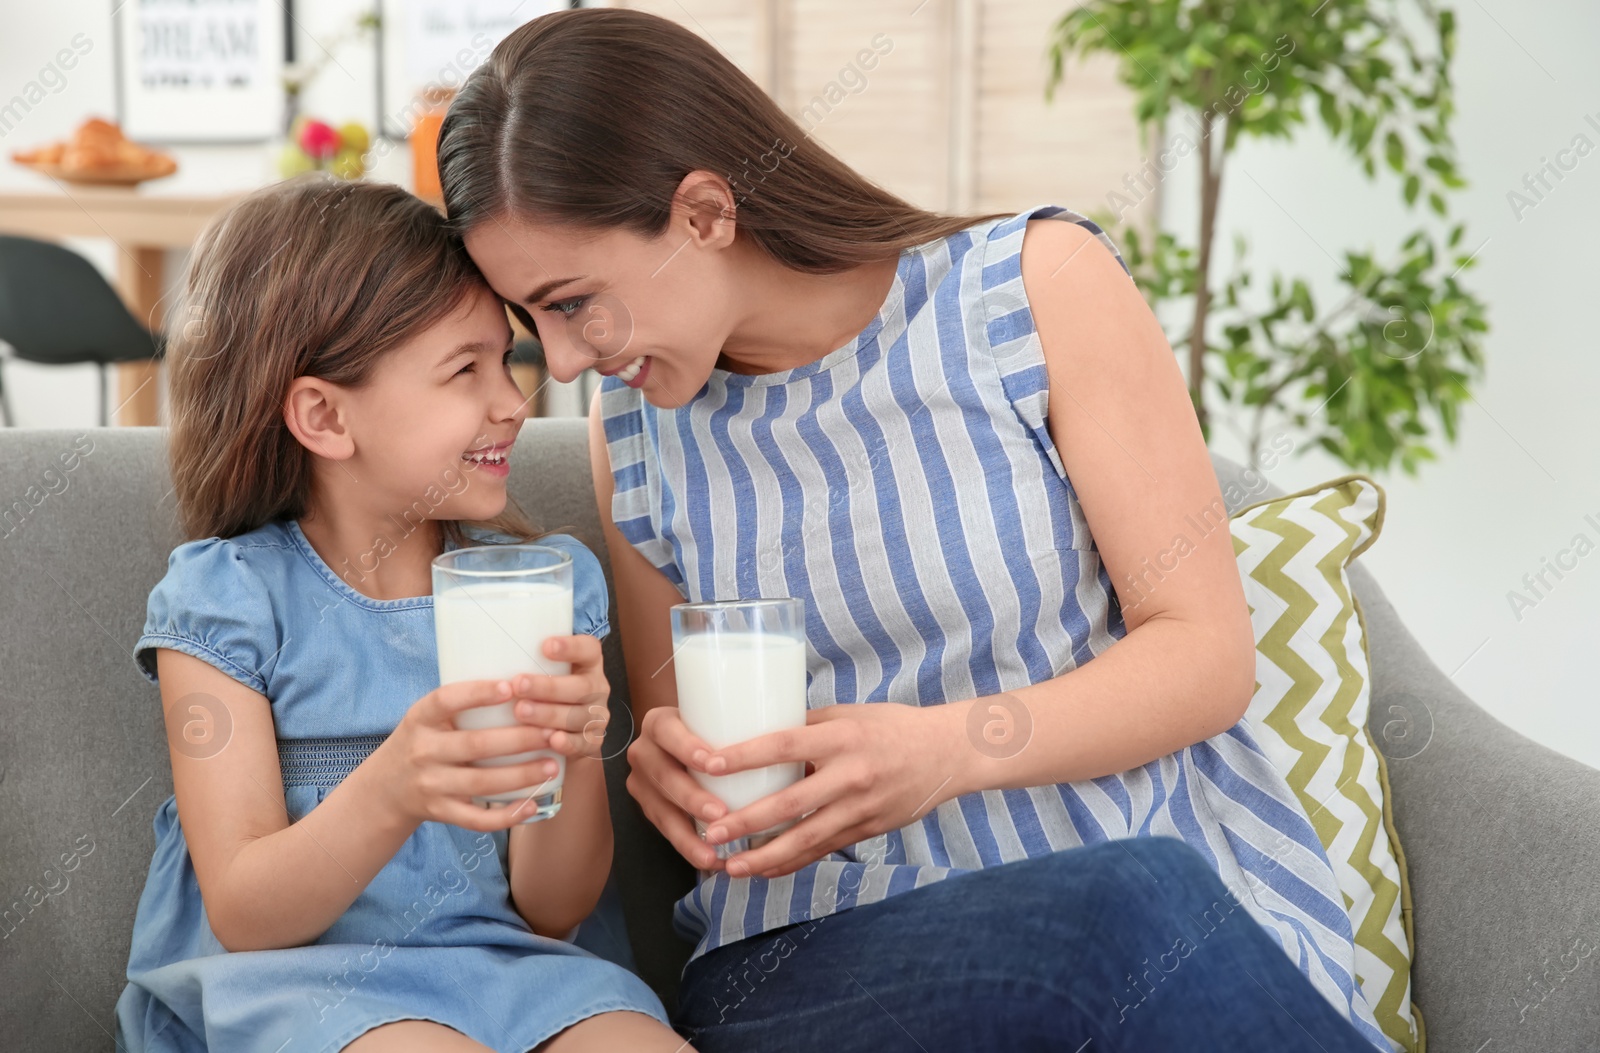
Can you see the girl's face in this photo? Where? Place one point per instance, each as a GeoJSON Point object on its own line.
{"type": "Point", "coordinates": [442, 397]}
{"type": "Point", "coordinates": [654, 311]}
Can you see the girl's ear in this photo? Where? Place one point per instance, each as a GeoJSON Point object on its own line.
{"type": "Point", "coordinates": [313, 411]}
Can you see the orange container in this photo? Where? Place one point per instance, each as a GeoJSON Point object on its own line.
{"type": "Point", "coordinates": [425, 144]}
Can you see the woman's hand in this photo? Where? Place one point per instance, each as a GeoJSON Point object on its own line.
{"type": "Point", "coordinates": [426, 762]}
{"type": "Point", "coordinates": [876, 766]}
{"type": "Point", "coordinates": [571, 708]}
{"type": "Point", "coordinates": [667, 794]}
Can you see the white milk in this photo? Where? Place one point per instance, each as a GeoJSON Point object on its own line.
{"type": "Point", "coordinates": [494, 631]}
{"type": "Point", "coordinates": [735, 686]}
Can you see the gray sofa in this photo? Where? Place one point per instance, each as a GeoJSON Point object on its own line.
{"type": "Point", "coordinates": [1502, 835]}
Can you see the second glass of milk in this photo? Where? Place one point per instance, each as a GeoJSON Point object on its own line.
{"type": "Point", "coordinates": [741, 671]}
{"type": "Point", "coordinates": [493, 608]}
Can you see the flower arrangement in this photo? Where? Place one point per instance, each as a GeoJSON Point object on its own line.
{"type": "Point", "coordinates": [316, 145]}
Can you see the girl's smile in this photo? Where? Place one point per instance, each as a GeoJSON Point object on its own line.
{"type": "Point", "coordinates": [495, 459]}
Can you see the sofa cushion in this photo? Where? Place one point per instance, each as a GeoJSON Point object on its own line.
{"type": "Point", "coordinates": [1309, 714]}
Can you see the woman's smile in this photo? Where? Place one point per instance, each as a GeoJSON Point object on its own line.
{"type": "Point", "coordinates": [633, 373]}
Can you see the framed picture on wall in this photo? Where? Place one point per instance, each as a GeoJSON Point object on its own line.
{"type": "Point", "coordinates": [200, 71]}
{"type": "Point", "coordinates": [436, 43]}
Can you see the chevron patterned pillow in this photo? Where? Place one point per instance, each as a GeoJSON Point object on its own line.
{"type": "Point", "coordinates": [1309, 714]}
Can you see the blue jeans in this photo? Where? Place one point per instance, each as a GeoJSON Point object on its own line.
{"type": "Point", "coordinates": [1130, 945]}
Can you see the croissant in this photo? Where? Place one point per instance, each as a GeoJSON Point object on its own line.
{"type": "Point", "coordinates": [98, 146]}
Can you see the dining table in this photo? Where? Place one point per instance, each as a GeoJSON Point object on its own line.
{"type": "Point", "coordinates": [148, 224]}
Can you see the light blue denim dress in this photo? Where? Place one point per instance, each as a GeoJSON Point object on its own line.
{"type": "Point", "coordinates": [434, 935]}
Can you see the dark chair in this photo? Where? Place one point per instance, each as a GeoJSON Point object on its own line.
{"type": "Point", "coordinates": [56, 309]}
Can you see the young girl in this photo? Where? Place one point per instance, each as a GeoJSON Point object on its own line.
{"type": "Point", "coordinates": [342, 412]}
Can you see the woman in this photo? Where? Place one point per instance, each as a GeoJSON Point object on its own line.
{"type": "Point", "coordinates": [949, 436]}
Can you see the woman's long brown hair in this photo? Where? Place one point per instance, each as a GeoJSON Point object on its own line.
{"type": "Point", "coordinates": [592, 117]}
{"type": "Point", "coordinates": [314, 276]}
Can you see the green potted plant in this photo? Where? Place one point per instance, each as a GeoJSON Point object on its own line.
{"type": "Point", "coordinates": [1372, 378]}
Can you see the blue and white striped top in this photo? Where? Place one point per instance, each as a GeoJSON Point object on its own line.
{"type": "Point", "coordinates": [906, 487]}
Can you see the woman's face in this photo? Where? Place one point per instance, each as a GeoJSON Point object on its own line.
{"type": "Point", "coordinates": [656, 310]}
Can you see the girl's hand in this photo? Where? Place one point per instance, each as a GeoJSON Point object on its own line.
{"type": "Point", "coordinates": [427, 762]}
{"type": "Point", "coordinates": [570, 709]}
{"type": "Point", "coordinates": [667, 794]}
{"type": "Point", "coordinates": [877, 766]}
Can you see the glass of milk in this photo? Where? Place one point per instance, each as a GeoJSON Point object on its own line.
{"type": "Point", "coordinates": [493, 608]}
{"type": "Point", "coordinates": [741, 668]}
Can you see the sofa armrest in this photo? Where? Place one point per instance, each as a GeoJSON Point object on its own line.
{"type": "Point", "coordinates": [1502, 841]}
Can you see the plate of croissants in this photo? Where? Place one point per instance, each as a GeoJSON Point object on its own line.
{"type": "Point", "coordinates": [98, 154]}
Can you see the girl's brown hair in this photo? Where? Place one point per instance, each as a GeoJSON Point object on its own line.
{"type": "Point", "coordinates": [314, 276]}
{"type": "Point", "coordinates": [592, 117]}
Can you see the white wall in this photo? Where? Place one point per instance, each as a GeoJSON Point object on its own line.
{"type": "Point", "coordinates": [1526, 472]}
{"type": "Point", "coordinates": [1457, 540]}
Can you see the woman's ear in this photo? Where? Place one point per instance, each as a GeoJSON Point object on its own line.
{"type": "Point", "coordinates": [315, 413]}
{"type": "Point", "coordinates": [705, 205]}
